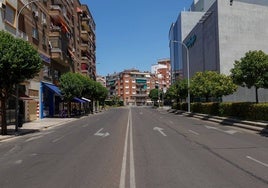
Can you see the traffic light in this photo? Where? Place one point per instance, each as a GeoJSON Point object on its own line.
{"type": "Point", "coordinates": [231, 2]}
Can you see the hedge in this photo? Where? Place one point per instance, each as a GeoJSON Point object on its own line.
{"type": "Point", "coordinates": [241, 110]}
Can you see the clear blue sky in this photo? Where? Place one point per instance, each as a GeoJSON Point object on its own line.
{"type": "Point", "coordinates": [132, 33]}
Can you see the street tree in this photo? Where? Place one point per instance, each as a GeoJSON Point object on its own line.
{"type": "Point", "coordinates": [101, 93]}
{"type": "Point", "coordinates": [178, 90]}
{"type": "Point", "coordinates": [252, 71]}
{"type": "Point", "coordinates": [211, 84]}
{"type": "Point", "coordinates": [71, 86]}
{"type": "Point", "coordinates": [182, 87]}
{"type": "Point", "coordinates": [19, 61]}
{"type": "Point", "coordinates": [154, 95]}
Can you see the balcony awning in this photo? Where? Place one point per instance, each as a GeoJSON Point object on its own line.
{"type": "Point", "coordinates": [85, 99]}
{"type": "Point", "coordinates": [53, 88]}
{"type": "Point", "coordinates": [78, 100]}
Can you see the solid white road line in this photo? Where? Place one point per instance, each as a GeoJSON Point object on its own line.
{"type": "Point", "coordinates": [257, 161]}
{"type": "Point", "coordinates": [132, 180]}
{"type": "Point", "coordinates": [124, 161]}
{"type": "Point", "coordinates": [132, 166]}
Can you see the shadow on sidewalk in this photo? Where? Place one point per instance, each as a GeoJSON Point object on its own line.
{"type": "Point", "coordinates": [12, 132]}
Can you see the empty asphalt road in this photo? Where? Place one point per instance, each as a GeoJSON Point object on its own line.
{"type": "Point", "coordinates": [135, 147]}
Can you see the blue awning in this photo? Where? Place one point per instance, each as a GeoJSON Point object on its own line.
{"type": "Point", "coordinates": [78, 100]}
{"type": "Point", "coordinates": [53, 88]}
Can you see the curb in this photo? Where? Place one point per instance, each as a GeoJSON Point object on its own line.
{"type": "Point", "coordinates": [250, 125]}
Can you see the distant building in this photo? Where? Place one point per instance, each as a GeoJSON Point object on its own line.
{"type": "Point", "coordinates": [131, 86]}
{"type": "Point", "coordinates": [219, 35]}
{"type": "Point", "coordinates": [102, 80]}
{"type": "Point", "coordinates": [162, 73]}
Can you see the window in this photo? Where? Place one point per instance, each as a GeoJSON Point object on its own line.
{"type": "Point", "coordinates": [44, 18]}
{"type": "Point", "coordinates": [35, 33]}
{"type": "Point", "coordinates": [44, 40]}
{"type": "Point", "coordinates": [34, 7]}
{"type": "Point", "coordinates": [10, 14]}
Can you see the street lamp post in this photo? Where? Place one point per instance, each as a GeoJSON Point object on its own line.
{"type": "Point", "coordinates": [17, 85]}
{"type": "Point", "coordinates": [188, 72]}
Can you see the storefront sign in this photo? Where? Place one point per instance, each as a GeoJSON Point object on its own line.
{"type": "Point", "coordinates": [190, 42]}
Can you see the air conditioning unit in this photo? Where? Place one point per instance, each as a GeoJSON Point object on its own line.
{"type": "Point", "coordinates": [35, 14]}
{"type": "Point", "coordinates": [2, 5]}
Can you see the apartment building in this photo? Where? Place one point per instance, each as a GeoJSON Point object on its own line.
{"type": "Point", "coordinates": [63, 32]}
{"type": "Point", "coordinates": [101, 80]}
{"type": "Point", "coordinates": [131, 86]}
{"type": "Point", "coordinates": [162, 73]}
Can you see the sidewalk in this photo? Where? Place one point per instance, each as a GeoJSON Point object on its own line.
{"type": "Point", "coordinates": [35, 126]}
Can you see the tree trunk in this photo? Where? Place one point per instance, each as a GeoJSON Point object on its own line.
{"type": "Point", "coordinates": [3, 116]}
{"type": "Point", "coordinates": [257, 95]}
{"type": "Point", "coordinates": [69, 109]}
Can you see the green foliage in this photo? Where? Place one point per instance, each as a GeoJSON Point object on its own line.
{"type": "Point", "coordinates": [259, 111]}
{"type": "Point", "coordinates": [19, 61]}
{"type": "Point", "coordinates": [71, 86]}
{"type": "Point", "coordinates": [101, 92]}
{"type": "Point", "coordinates": [171, 92]}
{"type": "Point", "coordinates": [182, 88]}
{"type": "Point", "coordinates": [77, 85]}
{"type": "Point", "coordinates": [252, 70]}
{"type": "Point", "coordinates": [153, 95]}
{"type": "Point", "coordinates": [211, 84]}
{"type": "Point", "coordinates": [114, 101]}
{"type": "Point", "coordinates": [206, 108]}
{"type": "Point", "coordinates": [240, 110]}
{"type": "Point", "coordinates": [245, 110]}
{"type": "Point", "coordinates": [178, 90]}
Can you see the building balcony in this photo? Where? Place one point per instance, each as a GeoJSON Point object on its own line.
{"type": "Point", "coordinates": [85, 59]}
{"type": "Point", "coordinates": [58, 19]}
{"type": "Point", "coordinates": [85, 24]}
{"type": "Point", "coordinates": [55, 10]}
{"type": "Point", "coordinates": [140, 95]}
{"type": "Point", "coordinates": [84, 47]}
{"type": "Point", "coordinates": [55, 33]}
{"type": "Point", "coordinates": [85, 35]}
{"type": "Point", "coordinates": [84, 68]}
{"type": "Point", "coordinates": [56, 53]}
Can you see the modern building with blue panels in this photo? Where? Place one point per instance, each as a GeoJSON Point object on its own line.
{"type": "Point", "coordinates": [224, 34]}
